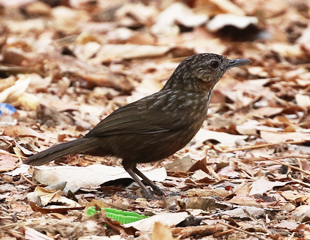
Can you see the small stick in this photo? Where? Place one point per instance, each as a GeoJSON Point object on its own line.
{"type": "Point", "coordinates": [27, 180]}
{"type": "Point", "coordinates": [260, 146]}
{"type": "Point", "coordinates": [274, 157]}
{"type": "Point", "coordinates": [244, 231]}
{"type": "Point", "coordinates": [300, 182]}
{"type": "Point", "coordinates": [300, 166]}
{"type": "Point", "coordinates": [12, 154]}
{"type": "Point", "coordinates": [290, 166]}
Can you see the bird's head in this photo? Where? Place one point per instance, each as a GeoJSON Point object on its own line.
{"type": "Point", "coordinates": [200, 72]}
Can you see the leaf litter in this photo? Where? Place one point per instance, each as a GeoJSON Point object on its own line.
{"type": "Point", "coordinates": [65, 65]}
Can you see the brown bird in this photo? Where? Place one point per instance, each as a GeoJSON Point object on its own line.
{"type": "Point", "coordinates": [156, 126]}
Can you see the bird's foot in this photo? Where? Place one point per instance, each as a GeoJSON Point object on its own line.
{"type": "Point", "coordinates": [157, 191]}
{"type": "Point", "coordinates": [151, 194]}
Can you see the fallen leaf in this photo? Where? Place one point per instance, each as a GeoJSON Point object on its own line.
{"type": "Point", "coordinates": [267, 111]}
{"type": "Point", "coordinates": [161, 232]}
{"type": "Point", "coordinates": [302, 100]}
{"type": "Point", "coordinates": [109, 52]}
{"type": "Point", "coordinates": [224, 138]}
{"type": "Point", "coordinates": [33, 234]}
{"type": "Point", "coordinates": [245, 212]}
{"type": "Point", "coordinates": [138, 11]}
{"type": "Point", "coordinates": [17, 131]}
{"type": "Point", "coordinates": [262, 185]}
{"type": "Point", "coordinates": [222, 20]}
{"type": "Point", "coordinates": [287, 225]}
{"type": "Point", "coordinates": [93, 175]}
{"type": "Point", "coordinates": [203, 203]}
{"type": "Point", "coordinates": [282, 137]}
{"type": "Point", "coordinates": [16, 94]}
{"type": "Point", "coordinates": [228, 7]}
{"type": "Point", "coordinates": [168, 219]}
{"type": "Point", "coordinates": [229, 172]}
{"type": "Point", "coordinates": [61, 210]}
{"type": "Point", "coordinates": [302, 213]}
{"type": "Point", "coordinates": [8, 162]}
{"type": "Point", "coordinates": [222, 193]}
{"type": "Point", "coordinates": [180, 165]}
{"type": "Point", "coordinates": [173, 15]}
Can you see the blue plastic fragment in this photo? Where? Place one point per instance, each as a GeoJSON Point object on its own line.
{"type": "Point", "coordinates": [6, 108]}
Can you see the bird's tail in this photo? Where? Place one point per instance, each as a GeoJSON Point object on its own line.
{"type": "Point", "coordinates": [76, 146]}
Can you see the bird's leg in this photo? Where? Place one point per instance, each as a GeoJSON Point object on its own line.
{"type": "Point", "coordinates": [155, 188]}
{"type": "Point", "coordinates": [130, 170]}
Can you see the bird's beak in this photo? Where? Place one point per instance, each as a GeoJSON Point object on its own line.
{"type": "Point", "coordinates": [238, 62]}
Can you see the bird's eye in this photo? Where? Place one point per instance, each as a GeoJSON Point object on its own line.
{"type": "Point", "coordinates": [214, 64]}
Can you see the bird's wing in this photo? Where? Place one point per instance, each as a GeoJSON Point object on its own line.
{"type": "Point", "coordinates": [148, 115]}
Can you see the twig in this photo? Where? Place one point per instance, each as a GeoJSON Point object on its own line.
{"type": "Point", "coordinates": [13, 155]}
{"type": "Point", "coordinates": [260, 146]}
{"type": "Point", "coordinates": [27, 180]}
{"type": "Point", "coordinates": [201, 230]}
{"type": "Point", "coordinates": [300, 182]}
{"type": "Point", "coordinates": [290, 166]}
{"type": "Point", "coordinates": [300, 166]}
{"type": "Point", "coordinates": [244, 231]}
{"type": "Point", "coordinates": [274, 157]}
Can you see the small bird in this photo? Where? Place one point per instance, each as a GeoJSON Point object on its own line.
{"type": "Point", "coordinates": [156, 126]}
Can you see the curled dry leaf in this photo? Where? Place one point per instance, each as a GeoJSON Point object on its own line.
{"type": "Point", "coordinates": [16, 94]}
{"type": "Point", "coordinates": [143, 14]}
{"type": "Point", "coordinates": [52, 196]}
{"type": "Point", "coordinates": [222, 20]}
{"type": "Point", "coordinates": [33, 234]}
{"type": "Point", "coordinates": [173, 15]}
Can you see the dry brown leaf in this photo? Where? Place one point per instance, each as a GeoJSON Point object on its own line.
{"type": "Point", "coordinates": [61, 210]}
{"type": "Point", "coordinates": [262, 185]}
{"type": "Point", "coordinates": [16, 94]}
{"type": "Point", "coordinates": [33, 234]}
{"type": "Point", "coordinates": [267, 111]}
{"type": "Point", "coordinates": [245, 212]}
{"type": "Point", "coordinates": [222, 20]}
{"type": "Point", "coordinates": [222, 193]}
{"type": "Point", "coordinates": [180, 165]}
{"type": "Point", "coordinates": [302, 213]}
{"type": "Point", "coordinates": [198, 230]}
{"type": "Point", "coordinates": [282, 137]}
{"type": "Point", "coordinates": [110, 52]}
{"type": "Point", "coordinates": [287, 225]}
{"type": "Point", "coordinates": [302, 100]}
{"type": "Point", "coordinates": [17, 131]}
{"type": "Point", "coordinates": [93, 175]}
{"type": "Point", "coordinates": [223, 138]}
{"type": "Point", "coordinates": [177, 13]}
{"type": "Point", "coordinates": [229, 172]}
{"type": "Point", "coordinates": [228, 7]}
{"type": "Point", "coordinates": [161, 232]}
{"type": "Point", "coordinates": [8, 162]}
{"type": "Point", "coordinates": [142, 13]}
{"type": "Point", "coordinates": [168, 219]}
